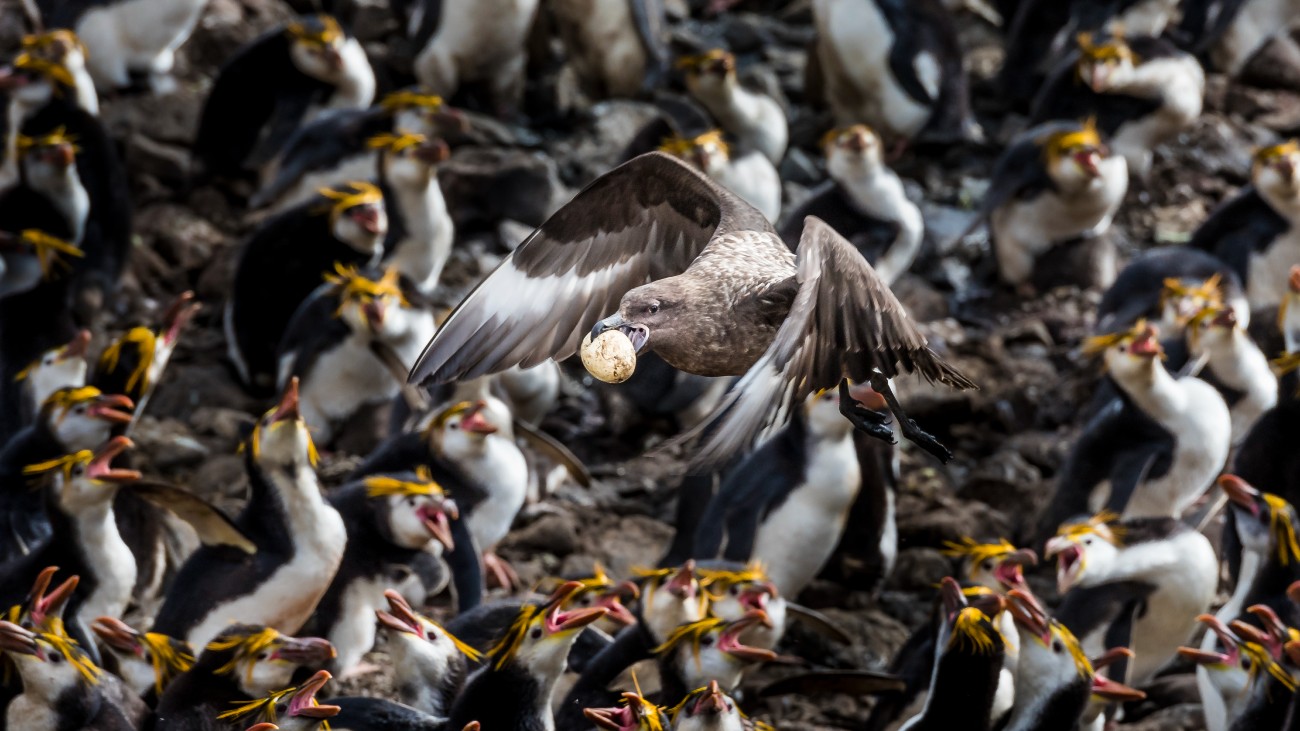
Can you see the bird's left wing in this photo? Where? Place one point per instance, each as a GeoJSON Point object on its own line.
{"type": "Point", "coordinates": [845, 323]}
{"type": "Point", "coordinates": [648, 218]}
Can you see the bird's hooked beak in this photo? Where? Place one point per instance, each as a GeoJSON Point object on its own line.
{"type": "Point", "coordinates": [1069, 561]}
{"type": "Point", "coordinates": [77, 347]}
{"type": "Point", "coordinates": [101, 466]}
{"type": "Point", "coordinates": [1226, 638]}
{"type": "Point", "coordinates": [475, 423]}
{"type": "Point", "coordinates": [114, 408]}
{"type": "Point", "coordinates": [951, 595]}
{"type": "Point", "coordinates": [558, 620]}
{"type": "Point", "coordinates": [374, 311]}
{"type": "Point", "coordinates": [1240, 493]}
{"type": "Point", "coordinates": [11, 78]}
{"type": "Point", "coordinates": [713, 701]}
{"type": "Point", "coordinates": [305, 650]}
{"type": "Point", "coordinates": [303, 701]}
{"type": "Point", "coordinates": [1028, 614]}
{"type": "Point", "coordinates": [40, 604]}
{"type": "Point", "coordinates": [119, 635]}
{"type": "Point", "coordinates": [437, 520]}
{"type": "Point", "coordinates": [729, 642]}
{"type": "Point", "coordinates": [1010, 568]}
{"type": "Point", "coordinates": [683, 585]}
{"type": "Point", "coordinates": [366, 217]}
{"type": "Point", "coordinates": [178, 315]}
{"type": "Point", "coordinates": [638, 334]}
{"type": "Point", "coordinates": [1088, 160]}
{"type": "Point", "coordinates": [400, 617]}
{"type": "Point", "coordinates": [287, 409]}
{"type": "Point", "coordinates": [15, 639]}
{"type": "Point", "coordinates": [612, 601]}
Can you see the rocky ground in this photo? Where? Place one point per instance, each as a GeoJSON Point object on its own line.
{"type": "Point", "coordinates": [1010, 437]}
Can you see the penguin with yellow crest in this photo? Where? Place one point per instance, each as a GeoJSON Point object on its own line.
{"type": "Point", "coordinates": [750, 175]}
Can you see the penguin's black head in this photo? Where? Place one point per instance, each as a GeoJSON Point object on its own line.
{"type": "Point", "coordinates": [412, 508]}
{"type": "Point", "coordinates": [316, 45]}
{"type": "Point", "coordinates": [635, 714]}
{"type": "Point", "coordinates": [357, 216]}
{"type": "Point", "coordinates": [260, 659]}
{"type": "Point", "coordinates": [1105, 66]}
{"type": "Point", "coordinates": [297, 705]}
{"type": "Point", "coordinates": [1265, 523]}
{"type": "Point", "coordinates": [83, 417]}
{"type": "Point", "coordinates": [167, 657]}
{"type": "Point", "coordinates": [281, 438]}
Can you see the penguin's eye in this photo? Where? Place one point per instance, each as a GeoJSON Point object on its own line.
{"type": "Point", "coordinates": [988, 565]}
{"type": "Point", "coordinates": [78, 470]}
{"type": "Point", "coordinates": [280, 707]}
{"type": "Point", "coordinates": [399, 574]}
{"type": "Point", "coordinates": [454, 425]}
{"type": "Point", "coordinates": [1122, 348]}
{"type": "Point", "coordinates": [261, 656]}
{"type": "Point", "coordinates": [56, 658]}
{"type": "Point", "coordinates": [584, 600]}
{"type": "Point", "coordinates": [1057, 647]}
{"type": "Point", "coordinates": [706, 642]}
{"type": "Point", "coordinates": [79, 409]}
{"type": "Point", "coordinates": [49, 360]}
{"type": "Point", "coordinates": [536, 633]}
{"type": "Point", "coordinates": [1087, 541]}
{"type": "Point", "coordinates": [410, 501]}
{"type": "Point", "coordinates": [734, 590]}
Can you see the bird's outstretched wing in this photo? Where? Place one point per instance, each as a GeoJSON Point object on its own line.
{"type": "Point", "coordinates": [845, 323]}
{"type": "Point", "coordinates": [646, 219]}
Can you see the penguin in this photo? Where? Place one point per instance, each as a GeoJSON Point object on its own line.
{"type": "Point", "coordinates": [1260, 549]}
{"type": "Point", "coordinates": [59, 367]}
{"type": "Point", "coordinates": [754, 121]}
{"type": "Point", "coordinates": [434, 662]}
{"type": "Point", "coordinates": [615, 50]}
{"type": "Point", "coordinates": [328, 345]}
{"type": "Point", "coordinates": [45, 80]}
{"type": "Point", "coordinates": [786, 505]}
{"type": "Point", "coordinates": [709, 649]}
{"type": "Point", "coordinates": [1220, 675]}
{"type": "Point", "coordinates": [147, 661]}
{"type": "Point", "coordinates": [63, 687]}
{"type": "Point", "coordinates": [968, 655]}
{"type": "Point", "coordinates": [1255, 232]}
{"type": "Point", "coordinates": [302, 69]}
{"type": "Point", "coordinates": [285, 259]}
{"type": "Point", "coordinates": [389, 519]}
{"type": "Point", "coordinates": [530, 393]}
{"type": "Point", "coordinates": [128, 44]}
{"type": "Point", "coordinates": [333, 149]}
{"type": "Point", "coordinates": [513, 689]}
{"type": "Point", "coordinates": [1168, 285]}
{"type": "Point", "coordinates": [709, 709]}
{"type": "Point", "coordinates": [1142, 90]}
{"type": "Point", "coordinates": [865, 201]}
{"type": "Point", "coordinates": [1055, 183]}
{"type": "Point", "coordinates": [133, 364]}
{"type": "Point", "coordinates": [894, 66]}
{"type": "Point", "coordinates": [1235, 365]}
{"type": "Point", "coordinates": [485, 42]}
{"type": "Point", "coordinates": [63, 47]}
{"type": "Point", "coordinates": [1243, 39]}
{"type": "Point", "coordinates": [49, 195]}
{"type": "Point", "coordinates": [1054, 678]}
{"type": "Point", "coordinates": [243, 661]}
{"type": "Point", "coordinates": [79, 489]}
{"type": "Point", "coordinates": [1256, 688]}
{"type": "Point", "coordinates": [1155, 449]}
{"type": "Point", "coordinates": [636, 713]}
{"type": "Point", "coordinates": [420, 230]}
{"type": "Point", "coordinates": [1140, 583]}
{"type": "Point", "coordinates": [293, 709]}
{"type": "Point", "coordinates": [749, 175]}
{"type": "Point", "coordinates": [299, 539]}
{"type": "Point", "coordinates": [70, 420]}
{"type": "Point", "coordinates": [735, 590]}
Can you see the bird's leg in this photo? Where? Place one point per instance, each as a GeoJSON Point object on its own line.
{"type": "Point", "coordinates": [499, 571]}
{"type": "Point", "coordinates": [909, 428]}
{"type": "Point", "coordinates": [870, 421]}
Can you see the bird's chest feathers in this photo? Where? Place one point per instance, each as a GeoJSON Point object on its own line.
{"type": "Point", "coordinates": [1054, 216]}
{"type": "Point", "coordinates": [1196, 415]}
{"type": "Point", "coordinates": [468, 29]}
{"type": "Point", "coordinates": [31, 714]}
{"type": "Point", "coordinates": [353, 632]}
{"type": "Point", "coordinates": [346, 378]}
{"type": "Point", "coordinates": [110, 560]}
{"type": "Point", "coordinates": [857, 33]}
{"type": "Point", "coordinates": [423, 251]}
{"type": "Point", "coordinates": [504, 471]}
{"type": "Point", "coordinates": [1185, 590]}
{"type": "Point", "coordinates": [142, 28]}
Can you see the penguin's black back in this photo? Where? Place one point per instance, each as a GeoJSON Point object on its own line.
{"type": "Point", "coordinates": [324, 143]}
{"type": "Point", "coordinates": [363, 713]}
{"type": "Point", "coordinates": [870, 235]}
{"type": "Point", "coordinates": [22, 510]}
{"type": "Point", "coordinates": [507, 698]}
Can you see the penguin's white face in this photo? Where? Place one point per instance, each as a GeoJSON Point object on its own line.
{"type": "Point", "coordinates": [50, 167]}
{"type": "Point", "coordinates": [1276, 172]}
{"type": "Point", "coordinates": [414, 520]}
{"type": "Point", "coordinates": [822, 411]}
{"type": "Point", "coordinates": [464, 435]}
{"type": "Point", "coordinates": [720, 654]}
{"type": "Point", "coordinates": [320, 60]}
{"type": "Point", "coordinates": [852, 152]}
{"type": "Point", "coordinates": [541, 636]}
{"type": "Point", "coordinates": [363, 227]}
{"type": "Point", "coordinates": [60, 367]}
{"type": "Point", "coordinates": [1085, 555]}
{"type": "Point", "coordinates": [49, 673]}
{"type": "Point", "coordinates": [414, 166]}
{"type": "Point", "coordinates": [91, 482]}
{"type": "Point", "coordinates": [281, 438]}
{"type": "Point", "coordinates": [83, 418]}
{"type": "Point", "coordinates": [1078, 168]}
{"type": "Point", "coordinates": [709, 709]}
{"type": "Point", "coordinates": [1045, 665]}
{"type": "Point", "coordinates": [673, 602]}
{"type": "Point", "coordinates": [1133, 356]}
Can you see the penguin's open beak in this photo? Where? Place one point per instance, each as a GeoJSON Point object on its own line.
{"type": "Point", "coordinates": [101, 466]}
{"type": "Point", "coordinates": [951, 595]}
{"type": "Point", "coordinates": [1069, 561]}
{"type": "Point", "coordinates": [1240, 493]}
{"type": "Point", "coordinates": [178, 315]}
{"type": "Point", "coordinates": [758, 595]}
{"type": "Point", "coordinates": [42, 603]}
{"type": "Point", "coordinates": [374, 313]}
{"type": "Point", "coordinates": [682, 585]}
{"type": "Point", "coordinates": [15, 639]}
{"type": "Point", "coordinates": [1026, 613]}
{"type": "Point", "coordinates": [436, 520]}
{"type": "Point", "coordinates": [618, 718]}
{"type": "Point", "coordinates": [366, 217]}
{"type": "Point", "coordinates": [1010, 568]}
{"type": "Point", "coordinates": [729, 642]}
{"type": "Point", "coordinates": [1227, 639]}
{"type": "Point", "coordinates": [989, 602]}
{"type": "Point", "coordinates": [558, 620]}
{"type": "Point", "coordinates": [305, 650]}
{"type": "Point", "coordinates": [400, 617]}
{"type": "Point", "coordinates": [433, 152]}
{"type": "Point", "coordinates": [114, 408]}
{"type": "Point", "coordinates": [474, 421]}
{"type": "Point", "coordinates": [118, 635]}
{"type": "Point", "coordinates": [77, 347]}
{"type": "Point", "coordinates": [711, 702]}
{"type": "Point", "coordinates": [447, 120]}
{"type": "Point", "coordinates": [1104, 687]}
{"type": "Point", "coordinates": [1111, 656]}
{"type": "Point", "coordinates": [287, 409]}
{"type": "Point", "coordinates": [303, 701]}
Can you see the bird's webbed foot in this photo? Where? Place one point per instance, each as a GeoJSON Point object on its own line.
{"type": "Point", "coordinates": [909, 428]}
{"type": "Point", "coordinates": [869, 421]}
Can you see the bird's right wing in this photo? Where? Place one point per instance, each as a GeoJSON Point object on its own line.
{"type": "Point", "coordinates": [647, 219]}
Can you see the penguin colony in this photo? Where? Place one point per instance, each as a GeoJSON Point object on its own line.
{"type": "Point", "coordinates": [386, 363]}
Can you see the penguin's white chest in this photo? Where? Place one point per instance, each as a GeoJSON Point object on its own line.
{"type": "Point", "coordinates": [1267, 271]}
{"type": "Point", "coordinates": [341, 382]}
{"type": "Point", "coordinates": [353, 633]}
{"type": "Point", "coordinates": [1202, 431]}
{"type": "Point", "coordinates": [135, 33]}
{"type": "Point", "coordinates": [798, 537]}
{"type": "Point", "coordinates": [504, 471]}
{"type": "Point", "coordinates": [114, 567]}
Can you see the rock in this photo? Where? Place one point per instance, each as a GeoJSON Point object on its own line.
{"type": "Point", "coordinates": [175, 232]}
{"type": "Point", "coordinates": [919, 568]}
{"type": "Point", "coordinates": [186, 387]}
{"type": "Point", "coordinates": [220, 478]}
{"type": "Point", "coordinates": [167, 164]}
{"type": "Point", "coordinates": [167, 444]}
{"type": "Point", "coordinates": [555, 534]}
{"type": "Point", "coordinates": [1182, 717]}
{"type": "Point", "coordinates": [230, 425]}
{"type": "Point", "coordinates": [954, 519]}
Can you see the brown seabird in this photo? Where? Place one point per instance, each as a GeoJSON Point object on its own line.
{"type": "Point", "coordinates": [700, 277]}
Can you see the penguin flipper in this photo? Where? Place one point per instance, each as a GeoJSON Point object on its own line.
{"type": "Point", "coordinates": [556, 452]}
{"type": "Point", "coordinates": [287, 115]}
{"type": "Point", "coordinates": [818, 622]}
{"type": "Point", "coordinates": [213, 527]}
{"type": "Point", "coordinates": [851, 682]}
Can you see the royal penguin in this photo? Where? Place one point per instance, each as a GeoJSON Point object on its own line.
{"type": "Point", "coordinates": [1139, 583]}
{"type": "Point", "coordinates": [786, 505]}
{"type": "Point", "coordinates": [133, 363]}
{"type": "Point", "coordinates": [751, 119]}
{"type": "Point", "coordinates": [70, 420]}
{"type": "Point", "coordinates": [1234, 364]}
{"type": "Point", "coordinates": [64, 48]}
{"type": "Point", "coordinates": [894, 66]}
{"type": "Point", "coordinates": [389, 519]}
{"type": "Point", "coordinates": [291, 709]}
{"type": "Point", "coordinates": [1054, 184]}
{"type": "Point", "coordinates": [333, 149]}
{"type": "Point", "coordinates": [434, 663]}
{"type": "Point", "coordinates": [1054, 678]}
{"type": "Point", "coordinates": [865, 201]}
{"type": "Point", "coordinates": [328, 346]}
{"type": "Point", "coordinates": [1252, 677]}
{"type": "Point", "coordinates": [1167, 286]}
{"type": "Point", "coordinates": [1246, 40]}
{"type": "Point", "coordinates": [128, 44]}
{"type": "Point", "coordinates": [485, 42]}
{"type": "Point", "coordinates": [147, 661]}
{"type": "Point", "coordinates": [63, 687]}
{"type": "Point", "coordinates": [968, 654]}
{"type": "Point", "coordinates": [514, 688]}
{"type": "Point", "coordinates": [302, 69]}
{"type": "Point", "coordinates": [614, 49]}
{"type": "Point", "coordinates": [49, 195]}
{"type": "Point", "coordinates": [1152, 450]}
{"type": "Point", "coordinates": [708, 708]}
{"type": "Point", "coordinates": [420, 229]}
{"type": "Point", "coordinates": [637, 713]}
{"type": "Point", "coordinates": [1255, 233]}
{"type": "Point", "coordinates": [707, 650]}
{"type": "Point", "coordinates": [285, 259]}
{"type": "Point", "coordinates": [298, 536]}
{"type": "Point", "coordinates": [1221, 676]}
{"type": "Point", "coordinates": [50, 72]}
{"type": "Point", "coordinates": [241, 662]}
{"type": "Point", "coordinates": [63, 366]}
{"type": "Point", "coordinates": [1143, 92]}
{"type": "Point", "coordinates": [749, 175]}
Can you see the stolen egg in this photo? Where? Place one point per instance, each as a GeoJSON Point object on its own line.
{"type": "Point", "coordinates": [610, 357]}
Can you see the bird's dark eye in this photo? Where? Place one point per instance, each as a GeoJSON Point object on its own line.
{"type": "Point", "coordinates": [1057, 647]}
{"type": "Point", "coordinates": [56, 658]}
{"type": "Point", "coordinates": [1087, 541]}
{"type": "Point", "coordinates": [1123, 348]}
{"type": "Point", "coordinates": [536, 633]}
{"type": "Point", "coordinates": [707, 642]}
{"type": "Point", "coordinates": [79, 409]}
{"type": "Point", "coordinates": [988, 565]}
{"type": "Point", "coordinates": [261, 656]}
{"type": "Point", "coordinates": [399, 574]}
{"type": "Point", "coordinates": [652, 308]}
{"type": "Point", "coordinates": [734, 590]}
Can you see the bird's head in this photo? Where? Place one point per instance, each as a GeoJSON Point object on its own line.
{"type": "Point", "coordinates": [47, 159]}
{"type": "Point", "coordinates": [1085, 551]}
{"type": "Point", "coordinates": [415, 508]}
{"type": "Point", "coordinates": [708, 152]}
{"type": "Point", "coordinates": [1181, 299]}
{"type": "Point", "coordinates": [966, 630]}
{"type": "Point", "coordinates": [1265, 523]}
{"type": "Point", "coordinates": [1223, 661]}
{"type": "Point", "coordinates": [541, 635]}
{"type": "Point", "coordinates": [260, 659]}
{"type": "Point", "coordinates": [1275, 170]}
{"type": "Point", "coordinates": [1107, 65]}
{"type": "Point", "coordinates": [316, 46]}
{"type": "Point", "coordinates": [85, 479]}
{"type": "Point", "coordinates": [297, 705]}
{"type": "Point", "coordinates": [600, 590]}
{"type": "Point", "coordinates": [43, 607]}
{"type": "Point", "coordinates": [369, 302]}
{"type": "Point", "coordinates": [1074, 155]}
{"type": "Point", "coordinates": [281, 438]}
{"type": "Point", "coordinates": [670, 597]}
{"type": "Point", "coordinates": [713, 648]}
{"type": "Point", "coordinates": [162, 656]}
{"type": "Point", "coordinates": [421, 111]}
{"type": "Point", "coordinates": [83, 417]}
{"type": "Point", "coordinates": [408, 159]}
{"type": "Point", "coordinates": [709, 70]}
{"type": "Point", "coordinates": [415, 632]}
{"type": "Point", "coordinates": [50, 663]}
{"type": "Point", "coordinates": [998, 566]}
{"type": "Point", "coordinates": [635, 713]}
{"type": "Point", "coordinates": [56, 368]}
{"type": "Point", "coordinates": [709, 707]}
{"type": "Point", "coordinates": [852, 152]}
{"type": "Point", "coordinates": [647, 315]}
{"type": "Point", "coordinates": [1134, 353]}
{"type": "Point", "coordinates": [357, 216]}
